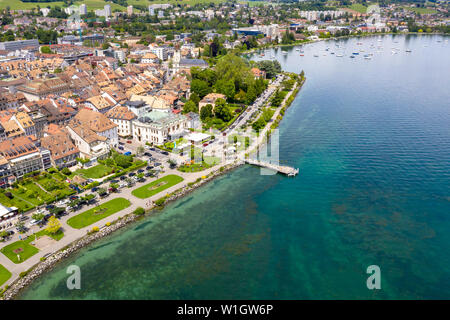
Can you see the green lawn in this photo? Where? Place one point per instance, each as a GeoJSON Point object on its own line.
{"type": "Point", "coordinates": [196, 167]}
{"type": "Point", "coordinates": [157, 186]}
{"type": "Point", "coordinates": [27, 251]}
{"type": "Point", "coordinates": [95, 172]}
{"type": "Point", "coordinates": [358, 7]}
{"type": "Point", "coordinates": [421, 10]}
{"type": "Point", "coordinates": [57, 236]}
{"type": "Point", "coordinates": [4, 274]}
{"type": "Point", "coordinates": [93, 215]}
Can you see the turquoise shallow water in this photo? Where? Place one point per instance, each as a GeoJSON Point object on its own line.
{"type": "Point", "coordinates": [372, 141]}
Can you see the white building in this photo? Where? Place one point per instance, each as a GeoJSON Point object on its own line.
{"type": "Point", "coordinates": [158, 127]}
{"type": "Point", "coordinates": [83, 9]}
{"type": "Point", "coordinates": [123, 118]}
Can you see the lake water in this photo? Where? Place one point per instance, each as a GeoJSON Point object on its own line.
{"type": "Point", "coordinates": [372, 141]}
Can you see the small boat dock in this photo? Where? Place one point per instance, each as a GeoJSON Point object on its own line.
{"type": "Point", "coordinates": [289, 171]}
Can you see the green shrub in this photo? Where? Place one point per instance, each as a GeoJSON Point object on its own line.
{"type": "Point", "coordinates": [139, 211]}
{"type": "Point", "coordinates": [160, 201]}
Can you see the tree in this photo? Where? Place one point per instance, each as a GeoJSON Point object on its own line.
{"type": "Point", "coordinates": [140, 150]}
{"type": "Point", "coordinates": [4, 234]}
{"type": "Point", "coordinates": [206, 112]}
{"type": "Point", "coordinates": [190, 106]}
{"type": "Point", "coordinates": [222, 111]}
{"type": "Point", "coordinates": [123, 160]}
{"type": "Point", "coordinates": [46, 49]}
{"type": "Point", "coordinates": [251, 94]}
{"type": "Point", "coordinates": [38, 216]}
{"type": "Point", "coordinates": [200, 87]}
{"type": "Point", "coordinates": [226, 87]}
{"type": "Point", "coordinates": [66, 171]}
{"type": "Point", "coordinates": [53, 225]}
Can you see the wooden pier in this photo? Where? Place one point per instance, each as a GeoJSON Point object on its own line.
{"type": "Point", "coordinates": [289, 171]}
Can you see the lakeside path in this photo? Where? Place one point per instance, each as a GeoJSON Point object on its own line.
{"type": "Point", "coordinates": [71, 235]}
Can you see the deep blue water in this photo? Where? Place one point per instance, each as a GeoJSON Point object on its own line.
{"type": "Point", "coordinates": [372, 141]}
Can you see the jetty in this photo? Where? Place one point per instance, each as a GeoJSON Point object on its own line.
{"type": "Point", "coordinates": [287, 170]}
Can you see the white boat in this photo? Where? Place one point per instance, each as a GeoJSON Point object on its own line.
{"type": "Point", "coordinates": [316, 55]}
{"type": "Point", "coordinates": [298, 49]}
{"type": "Point", "coordinates": [339, 55]}
{"type": "Point", "coordinates": [408, 50]}
{"type": "Point", "coordinates": [284, 52]}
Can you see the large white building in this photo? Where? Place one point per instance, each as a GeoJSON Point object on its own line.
{"type": "Point", "coordinates": [158, 127]}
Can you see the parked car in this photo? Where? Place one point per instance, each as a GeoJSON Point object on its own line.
{"type": "Point", "coordinates": [122, 178]}
{"type": "Point", "coordinates": [73, 197]}
{"type": "Point", "coordinates": [128, 153]}
{"type": "Point", "coordinates": [23, 218]}
{"type": "Point", "coordinates": [205, 144]}
{"type": "Point", "coordinates": [140, 170]}
{"type": "Point", "coordinates": [165, 153]}
{"type": "Point", "coordinates": [131, 174]}
{"type": "Point", "coordinates": [148, 174]}
{"type": "Point", "coordinates": [47, 216]}
{"type": "Point", "coordinates": [157, 164]}
{"type": "Point", "coordinates": [94, 189]}
{"type": "Point", "coordinates": [128, 141]}
{"type": "Point", "coordinates": [120, 148]}
{"type": "Point", "coordinates": [114, 181]}
{"type": "Point", "coordinates": [152, 149]}
{"type": "Point", "coordinates": [148, 154]}
{"type": "Point", "coordinates": [50, 206]}
{"type": "Point", "coordinates": [33, 222]}
{"type": "Point", "coordinates": [149, 168]}
{"type": "Point", "coordinates": [172, 166]}
{"type": "Point", "coordinates": [141, 180]}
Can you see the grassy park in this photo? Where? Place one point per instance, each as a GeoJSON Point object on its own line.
{"type": "Point", "coordinates": [93, 215]}
{"type": "Point", "coordinates": [157, 186]}
{"type": "Point", "coordinates": [21, 248]}
{"type": "Point", "coordinates": [95, 172]}
{"type": "Point", "coordinates": [4, 274]}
